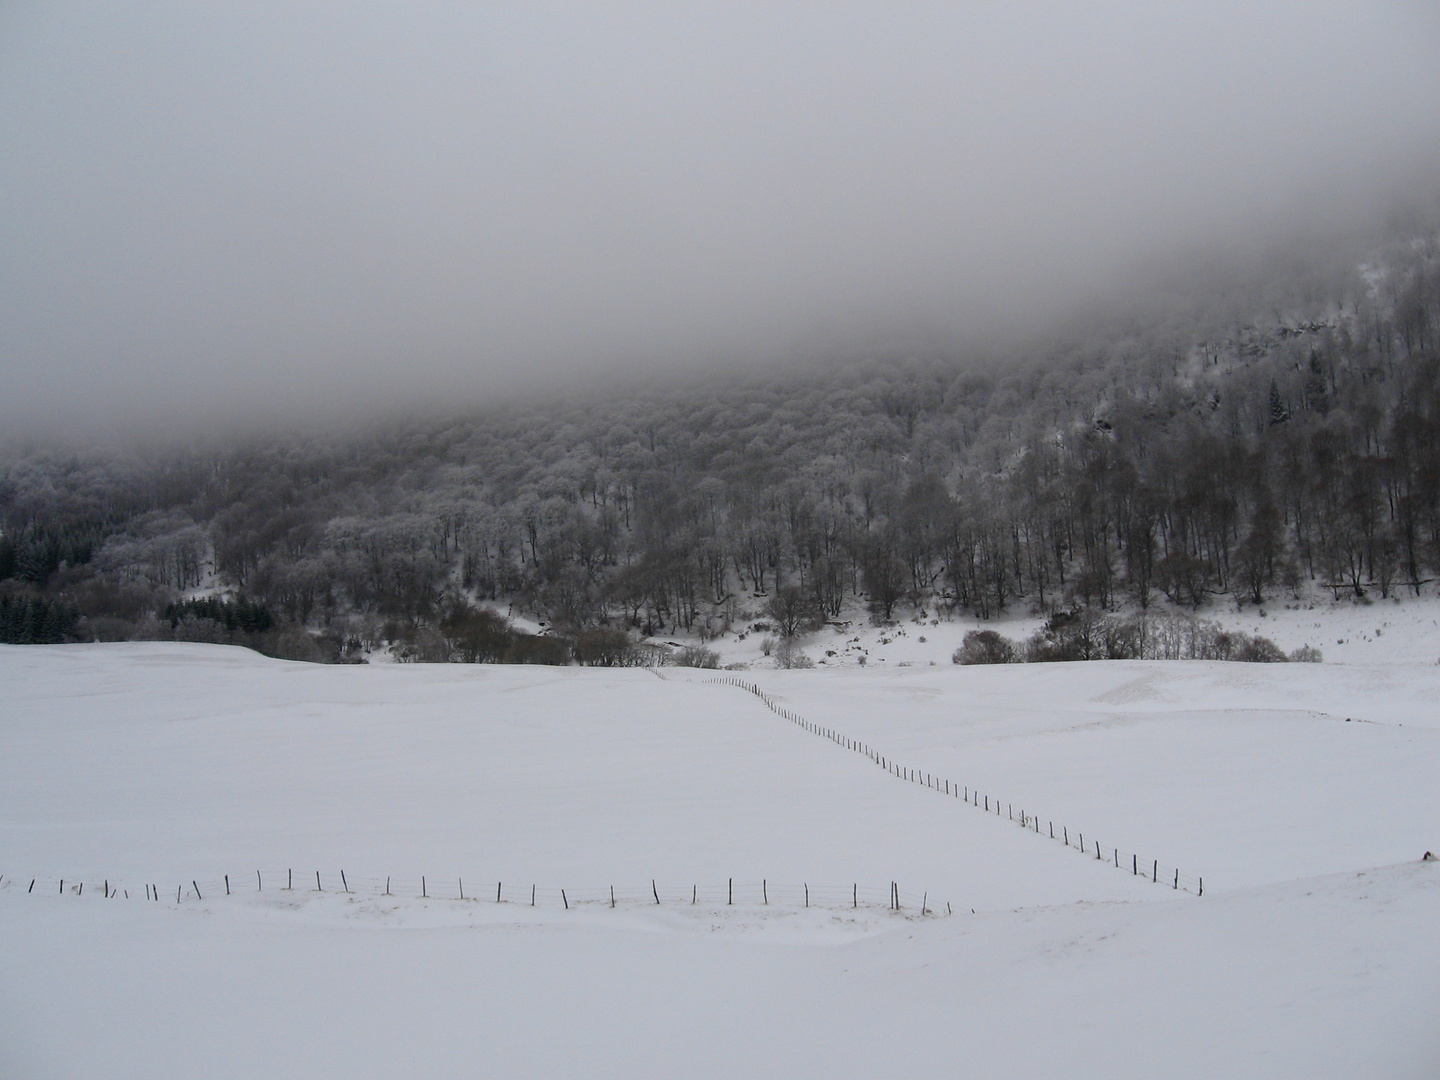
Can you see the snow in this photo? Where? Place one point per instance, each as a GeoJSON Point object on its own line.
{"type": "Point", "coordinates": [1243, 773]}
{"type": "Point", "coordinates": [1346, 630]}
{"type": "Point", "coordinates": [1313, 952]}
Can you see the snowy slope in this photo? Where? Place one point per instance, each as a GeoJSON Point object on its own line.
{"type": "Point", "coordinates": [1371, 630]}
{"type": "Point", "coordinates": [1244, 773]}
{"type": "Point", "coordinates": [1312, 954]}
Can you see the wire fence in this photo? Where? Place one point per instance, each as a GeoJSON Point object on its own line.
{"type": "Point", "coordinates": [731, 893]}
{"type": "Point", "coordinates": [1147, 867]}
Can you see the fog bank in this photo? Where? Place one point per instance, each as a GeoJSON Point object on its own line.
{"type": "Point", "coordinates": [232, 210]}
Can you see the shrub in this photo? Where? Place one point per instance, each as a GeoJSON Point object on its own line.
{"type": "Point", "coordinates": [645, 654]}
{"type": "Point", "coordinates": [1085, 634]}
{"type": "Point", "coordinates": [605, 648]}
{"type": "Point", "coordinates": [1123, 639]}
{"type": "Point", "coordinates": [985, 647]}
{"type": "Point", "coordinates": [696, 656]}
{"type": "Point", "coordinates": [1213, 643]}
{"type": "Point", "coordinates": [476, 635]}
{"type": "Point", "coordinates": [788, 654]}
{"type": "Point", "coordinates": [1306, 654]}
{"type": "Point", "coordinates": [532, 649]}
{"type": "Point", "coordinates": [1259, 650]}
{"type": "Point", "coordinates": [201, 630]}
{"type": "Point", "coordinates": [1077, 634]}
{"type": "Point", "coordinates": [293, 643]}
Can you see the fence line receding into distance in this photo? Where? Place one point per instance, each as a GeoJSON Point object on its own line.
{"type": "Point", "coordinates": [1148, 868]}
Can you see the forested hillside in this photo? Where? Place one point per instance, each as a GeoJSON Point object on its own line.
{"type": "Point", "coordinates": [1246, 447]}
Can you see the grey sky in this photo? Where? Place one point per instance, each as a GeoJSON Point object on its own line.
{"type": "Point", "coordinates": [227, 208]}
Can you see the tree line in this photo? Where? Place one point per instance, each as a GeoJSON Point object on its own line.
{"type": "Point", "coordinates": [1211, 459]}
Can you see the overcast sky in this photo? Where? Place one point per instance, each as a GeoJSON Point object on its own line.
{"type": "Point", "coordinates": [236, 209]}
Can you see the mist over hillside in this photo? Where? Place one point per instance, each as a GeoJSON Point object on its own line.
{"type": "Point", "coordinates": [1275, 434]}
{"type": "Point", "coordinates": [320, 332]}
{"type": "Point", "coordinates": [233, 214]}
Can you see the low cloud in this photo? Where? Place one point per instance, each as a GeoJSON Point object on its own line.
{"type": "Point", "coordinates": [233, 211]}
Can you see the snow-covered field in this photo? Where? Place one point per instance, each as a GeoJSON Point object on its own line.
{"type": "Point", "coordinates": [1304, 795]}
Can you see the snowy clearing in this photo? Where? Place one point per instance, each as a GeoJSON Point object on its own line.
{"type": "Point", "coordinates": [1313, 952]}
